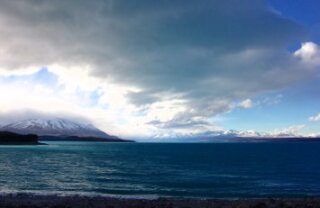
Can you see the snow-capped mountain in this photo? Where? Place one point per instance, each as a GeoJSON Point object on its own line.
{"type": "Point", "coordinates": [54, 127]}
{"type": "Point", "coordinates": [250, 133]}
{"type": "Point", "coordinates": [230, 135]}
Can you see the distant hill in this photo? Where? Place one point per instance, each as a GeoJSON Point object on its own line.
{"type": "Point", "coordinates": [59, 129]}
{"type": "Point", "coordinates": [13, 138]}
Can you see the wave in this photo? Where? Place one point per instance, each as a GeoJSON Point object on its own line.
{"type": "Point", "coordinates": [69, 194]}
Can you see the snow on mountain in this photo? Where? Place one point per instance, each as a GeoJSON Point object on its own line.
{"type": "Point", "coordinates": [224, 136]}
{"type": "Point", "coordinates": [250, 133]}
{"type": "Point", "coordinates": [54, 127]}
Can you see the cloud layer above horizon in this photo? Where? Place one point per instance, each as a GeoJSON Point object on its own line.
{"type": "Point", "coordinates": [148, 67]}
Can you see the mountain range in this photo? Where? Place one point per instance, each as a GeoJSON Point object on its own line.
{"type": "Point", "coordinates": [70, 130]}
{"type": "Point", "coordinates": [235, 136]}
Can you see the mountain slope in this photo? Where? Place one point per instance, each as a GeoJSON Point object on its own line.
{"type": "Point", "coordinates": [58, 129]}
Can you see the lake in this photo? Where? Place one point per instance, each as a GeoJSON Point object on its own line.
{"type": "Point", "coordinates": [201, 170]}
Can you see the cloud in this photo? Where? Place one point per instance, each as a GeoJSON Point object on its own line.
{"type": "Point", "coordinates": [315, 118]}
{"type": "Point", "coordinates": [247, 103]}
{"type": "Point", "coordinates": [178, 63]}
{"type": "Point", "coordinates": [309, 53]}
{"type": "Point", "coordinates": [271, 100]}
{"type": "Point", "coordinates": [23, 114]}
{"type": "Point", "coordinates": [292, 131]}
{"type": "Point", "coordinates": [181, 123]}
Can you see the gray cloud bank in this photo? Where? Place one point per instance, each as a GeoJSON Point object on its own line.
{"type": "Point", "coordinates": [26, 114]}
{"type": "Point", "coordinates": [209, 53]}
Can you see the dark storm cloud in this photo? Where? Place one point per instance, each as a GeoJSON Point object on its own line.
{"type": "Point", "coordinates": [208, 53]}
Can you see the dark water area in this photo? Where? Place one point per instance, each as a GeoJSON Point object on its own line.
{"type": "Point", "coordinates": [219, 170]}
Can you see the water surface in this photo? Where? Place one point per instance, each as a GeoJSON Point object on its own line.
{"type": "Point", "coordinates": [220, 170]}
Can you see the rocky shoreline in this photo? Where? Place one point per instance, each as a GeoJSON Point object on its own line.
{"type": "Point", "coordinates": [76, 201]}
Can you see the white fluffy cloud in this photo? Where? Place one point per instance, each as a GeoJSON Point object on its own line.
{"type": "Point", "coordinates": [293, 131]}
{"type": "Point", "coordinates": [247, 103]}
{"type": "Point", "coordinates": [309, 53]}
{"type": "Point", "coordinates": [315, 118]}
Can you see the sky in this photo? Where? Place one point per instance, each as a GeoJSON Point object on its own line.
{"type": "Point", "coordinates": [163, 69]}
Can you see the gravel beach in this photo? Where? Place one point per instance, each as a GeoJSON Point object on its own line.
{"type": "Point", "coordinates": [76, 201]}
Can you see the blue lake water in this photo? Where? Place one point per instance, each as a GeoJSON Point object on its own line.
{"type": "Point", "coordinates": [229, 170]}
